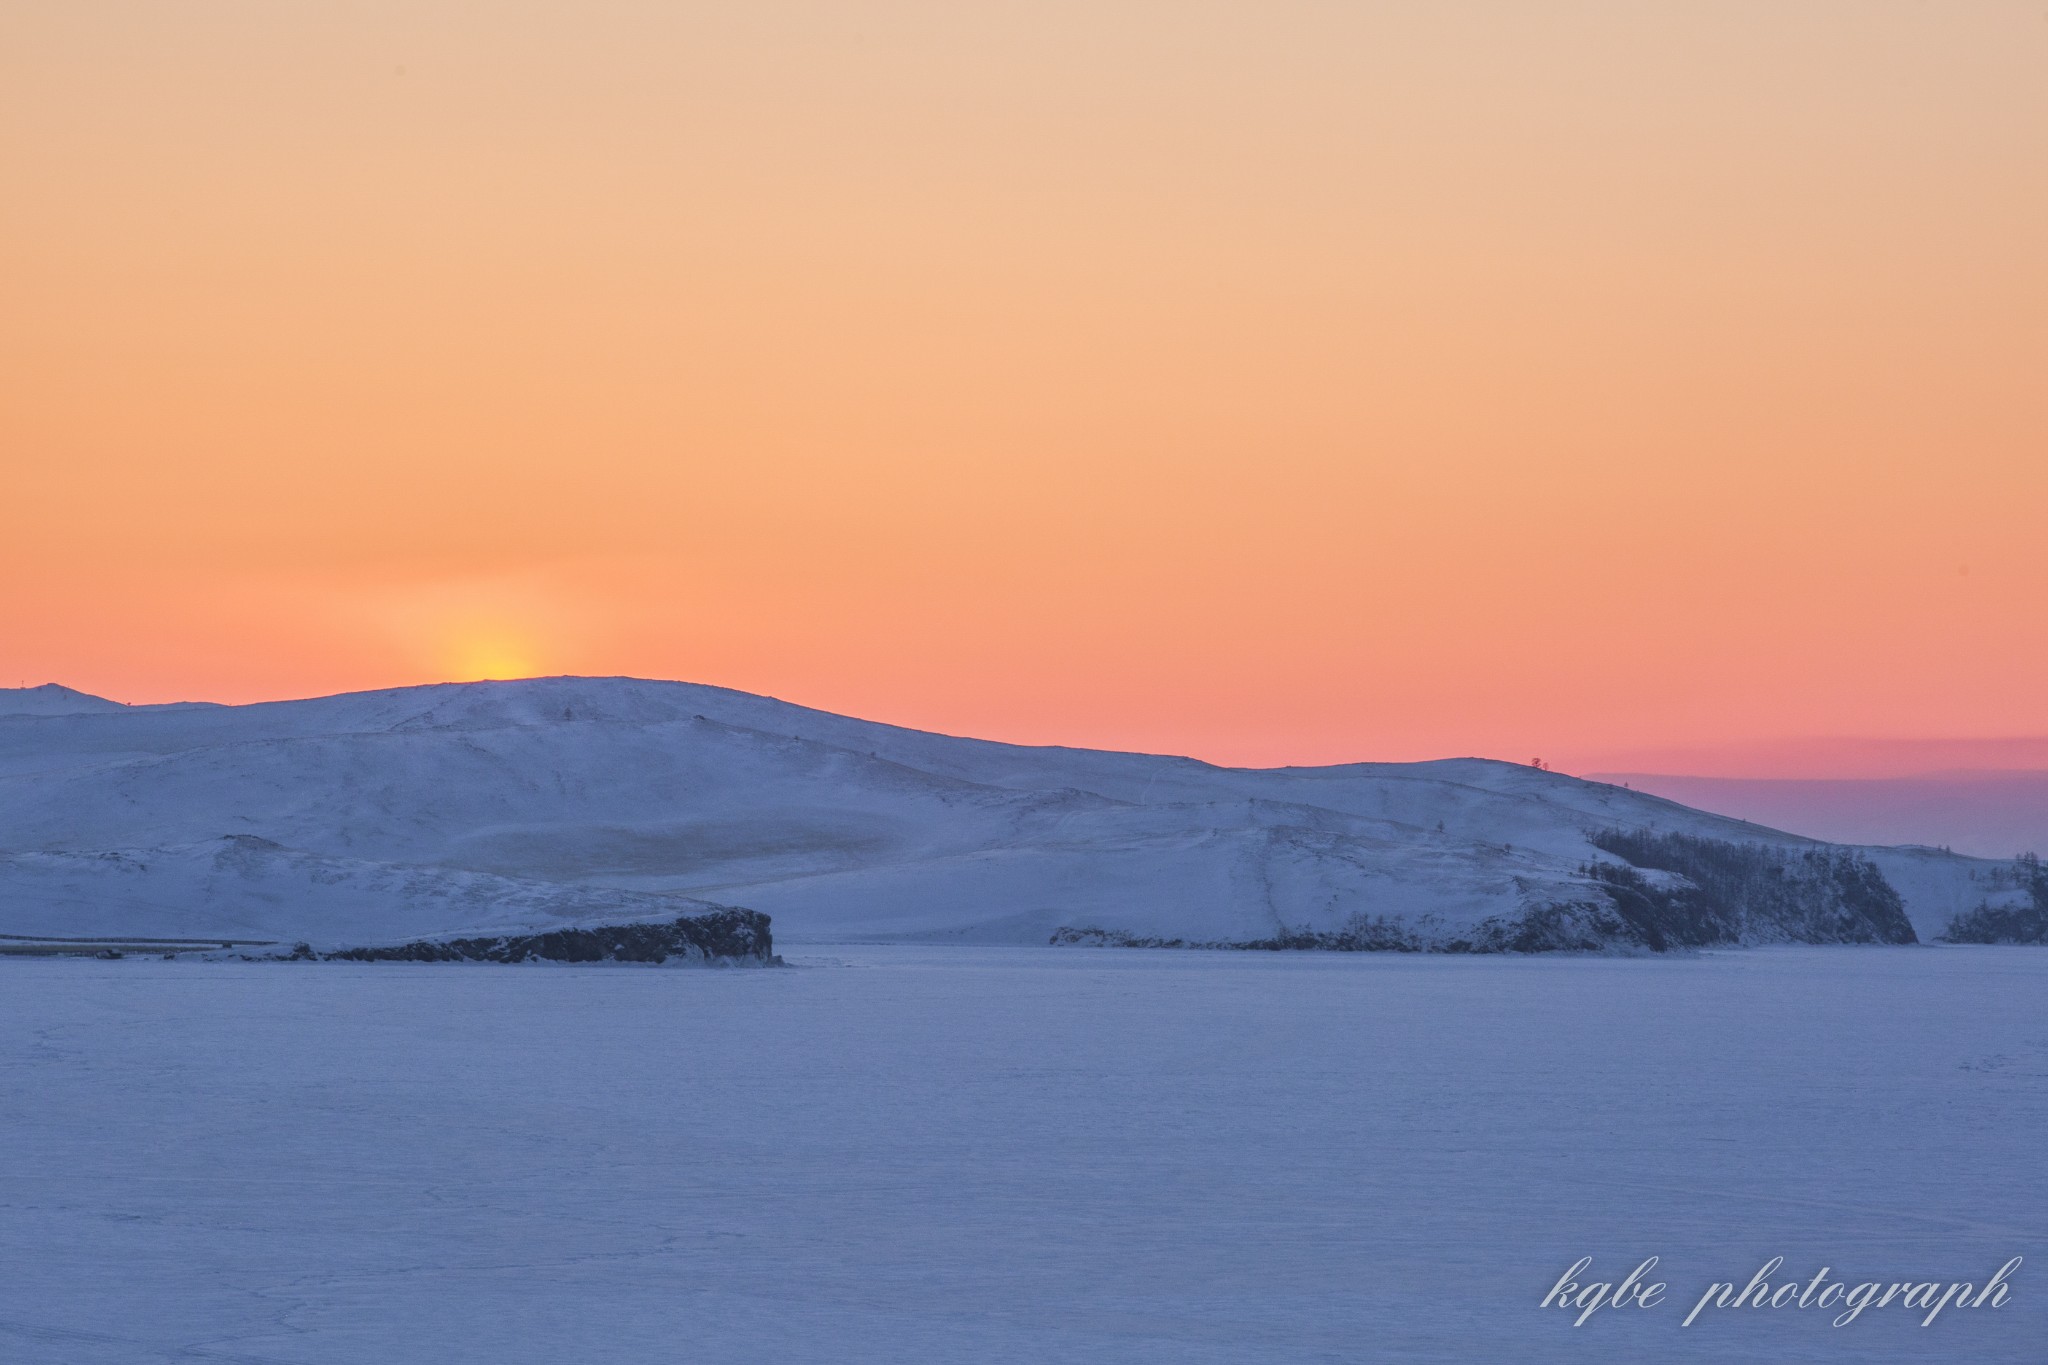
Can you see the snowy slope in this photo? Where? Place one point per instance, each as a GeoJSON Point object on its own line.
{"type": "Point", "coordinates": [244, 887]}
{"type": "Point", "coordinates": [837, 827]}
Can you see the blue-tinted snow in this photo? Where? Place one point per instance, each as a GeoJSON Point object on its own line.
{"type": "Point", "coordinates": [1010, 1155]}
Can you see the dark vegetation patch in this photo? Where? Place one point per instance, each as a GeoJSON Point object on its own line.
{"type": "Point", "coordinates": [2008, 923]}
{"type": "Point", "coordinates": [1712, 892]}
{"type": "Point", "coordinates": [1360, 934]}
{"type": "Point", "coordinates": [1578, 927]}
{"type": "Point", "coordinates": [1745, 893]}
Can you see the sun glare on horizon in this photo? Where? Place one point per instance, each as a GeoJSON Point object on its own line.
{"type": "Point", "coordinates": [1273, 384]}
{"type": "Point", "coordinates": [489, 655]}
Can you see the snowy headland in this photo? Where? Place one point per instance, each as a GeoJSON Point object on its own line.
{"type": "Point", "coordinates": [480, 810]}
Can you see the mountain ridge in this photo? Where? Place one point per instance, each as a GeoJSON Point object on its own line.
{"type": "Point", "coordinates": [839, 828]}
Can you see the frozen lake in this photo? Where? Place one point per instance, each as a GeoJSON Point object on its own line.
{"type": "Point", "coordinates": [1013, 1155]}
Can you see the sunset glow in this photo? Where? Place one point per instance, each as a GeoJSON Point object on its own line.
{"type": "Point", "coordinates": [489, 655]}
{"type": "Point", "coordinates": [1271, 382]}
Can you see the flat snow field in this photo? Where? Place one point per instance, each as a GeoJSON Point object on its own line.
{"type": "Point", "coordinates": [995, 1155]}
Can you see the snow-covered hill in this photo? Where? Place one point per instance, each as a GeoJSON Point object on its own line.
{"type": "Point", "coordinates": [496, 806]}
{"type": "Point", "coordinates": [52, 699]}
{"type": "Point", "coordinates": [241, 887]}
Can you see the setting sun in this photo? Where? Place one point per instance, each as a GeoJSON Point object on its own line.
{"type": "Point", "coordinates": [488, 654]}
{"type": "Point", "coordinates": [1376, 381]}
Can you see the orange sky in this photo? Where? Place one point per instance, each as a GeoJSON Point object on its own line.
{"type": "Point", "coordinates": [1276, 381]}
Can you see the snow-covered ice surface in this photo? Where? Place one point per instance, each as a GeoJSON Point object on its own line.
{"type": "Point", "coordinates": [1012, 1155]}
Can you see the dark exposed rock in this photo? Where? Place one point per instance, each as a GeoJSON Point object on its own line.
{"type": "Point", "coordinates": [726, 934]}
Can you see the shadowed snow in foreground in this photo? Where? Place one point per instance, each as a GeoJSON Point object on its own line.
{"type": "Point", "coordinates": [1012, 1155]}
